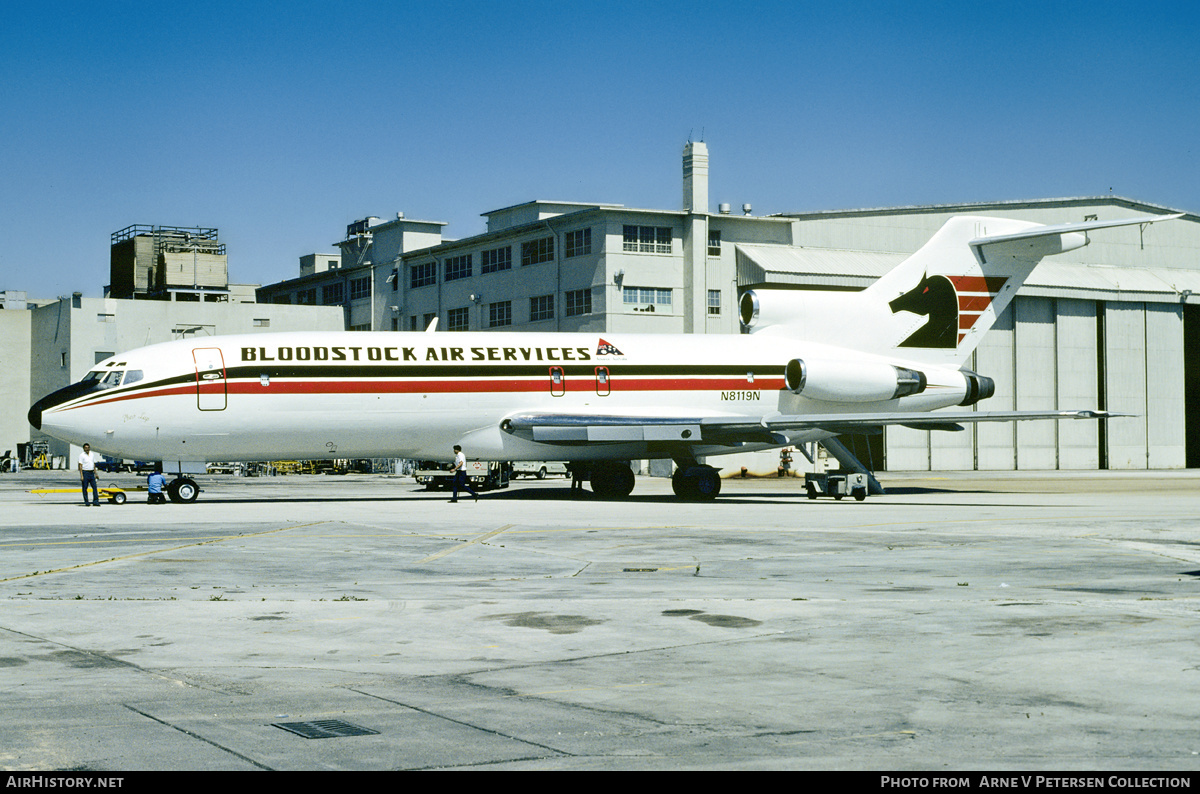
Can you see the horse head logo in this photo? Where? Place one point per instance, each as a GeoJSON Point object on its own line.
{"type": "Point", "coordinates": [934, 297]}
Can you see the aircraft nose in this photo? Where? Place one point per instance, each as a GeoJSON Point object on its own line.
{"type": "Point", "coordinates": [35, 414]}
{"type": "Point", "coordinates": [57, 398]}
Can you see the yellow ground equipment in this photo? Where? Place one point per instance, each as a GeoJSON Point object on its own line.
{"type": "Point", "coordinates": [112, 493]}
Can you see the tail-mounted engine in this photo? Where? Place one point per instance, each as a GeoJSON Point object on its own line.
{"type": "Point", "coordinates": [852, 382]}
{"type": "Point", "coordinates": [979, 387]}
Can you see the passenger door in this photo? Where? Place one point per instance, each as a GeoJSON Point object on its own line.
{"type": "Point", "coordinates": [211, 394]}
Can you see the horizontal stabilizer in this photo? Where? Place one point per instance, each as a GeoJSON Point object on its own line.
{"type": "Point", "coordinates": [1068, 228]}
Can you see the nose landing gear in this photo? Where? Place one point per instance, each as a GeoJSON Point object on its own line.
{"type": "Point", "coordinates": [182, 490]}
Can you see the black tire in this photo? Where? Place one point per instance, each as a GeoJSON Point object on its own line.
{"type": "Point", "coordinates": [860, 494]}
{"type": "Point", "coordinates": [612, 480]}
{"type": "Point", "coordinates": [696, 484]}
{"type": "Point", "coordinates": [183, 490]}
{"type": "Point", "coordinates": [683, 486]}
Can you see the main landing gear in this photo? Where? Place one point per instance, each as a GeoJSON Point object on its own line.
{"type": "Point", "coordinates": [611, 480]}
{"type": "Point", "coordinates": [696, 483]}
{"type": "Point", "coordinates": [692, 481]}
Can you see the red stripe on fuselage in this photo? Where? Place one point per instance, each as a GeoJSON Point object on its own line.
{"type": "Point", "coordinates": [578, 384]}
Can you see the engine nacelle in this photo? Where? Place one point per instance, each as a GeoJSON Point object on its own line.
{"type": "Point", "coordinates": [979, 387]}
{"type": "Point", "coordinates": [851, 381]}
{"type": "Point", "coordinates": [808, 311]}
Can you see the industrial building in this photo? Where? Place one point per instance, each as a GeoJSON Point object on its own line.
{"type": "Point", "coordinates": [1115, 325]}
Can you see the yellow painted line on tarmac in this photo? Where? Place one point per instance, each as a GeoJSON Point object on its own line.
{"type": "Point", "coordinates": [468, 544]}
{"type": "Point", "coordinates": [154, 551]}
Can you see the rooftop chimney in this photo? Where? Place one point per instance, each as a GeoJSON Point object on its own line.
{"type": "Point", "coordinates": [695, 177]}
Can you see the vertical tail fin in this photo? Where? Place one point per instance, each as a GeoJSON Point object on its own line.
{"type": "Point", "coordinates": [936, 305]}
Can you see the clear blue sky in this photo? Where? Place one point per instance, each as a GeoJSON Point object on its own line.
{"type": "Point", "coordinates": [279, 123]}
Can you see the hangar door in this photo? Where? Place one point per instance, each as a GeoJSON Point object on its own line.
{"type": "Point", "coordinates": [1191, 383]}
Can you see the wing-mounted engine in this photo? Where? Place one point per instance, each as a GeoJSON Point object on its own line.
{"type": "Point", "coordinates": [851, 381]}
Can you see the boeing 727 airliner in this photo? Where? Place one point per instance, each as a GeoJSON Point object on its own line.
{"type": "Point", "coordinates": [814, 365]}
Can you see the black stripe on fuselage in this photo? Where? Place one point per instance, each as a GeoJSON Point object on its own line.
{"type": "Point", "coordinates": [485, 370]}
{"type": "Point", "coordinates": [466, 370]}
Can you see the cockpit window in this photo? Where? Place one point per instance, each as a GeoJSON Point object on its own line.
{"type": "Point", "coordinates": [100, 379]}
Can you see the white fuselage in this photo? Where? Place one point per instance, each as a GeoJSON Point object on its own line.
{"type": "Point", "coordinates": [414, 395]}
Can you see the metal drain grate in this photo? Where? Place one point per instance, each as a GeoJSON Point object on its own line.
{"type": "Point", "coordinates": [324, 729]}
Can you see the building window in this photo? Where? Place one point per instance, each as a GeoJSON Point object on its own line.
{"type": "Point", "coordinates": [458, 267]}
{"type": "Point", "coordinates": [394, 280]}
{"type": "Point", "coordinates": [360, 288]}
{"type": "Point", "coordinates": [284, 300]}
{"type": "Point", "coordinates": [646, 299]}
{"type": "Point", "coordinates": [714, 302]}
{"type": "Point", "coordinates": [499, 314]}
{"type": "Point", "coordinates": [579, 302]}
{"type": "Point", "coordinates": [578, 243]}
{"type": "Point", "coordinates": [429, 318]}
{"type": "Point", "coordinates": [423, 275]}
{"type": "Point", "coordinates": [458, 319]}
{"type": "Point", "coordinates": [495, 260]}
{"type": "Point", "coordinates": [541, 308]}
{"type": "Point", "coordinates": [307, 297]}
{"type": "Point", "coordinates": [714, 243]}
{"type": "Point", "coordinates": [537, 251]}
{"type": "Point", "coordinates": [363, 327]}
{"type": "Point", "coordinates": [647, 239]}
{"type": "Point", "coordinates": [333, 294]}
{"type": "Point", "coordinates": [262, 322]}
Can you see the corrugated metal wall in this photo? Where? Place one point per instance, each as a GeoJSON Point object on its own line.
{"type": "Point", "coordinates": [1044, 353]}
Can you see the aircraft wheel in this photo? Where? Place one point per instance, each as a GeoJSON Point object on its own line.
{"type": "Point", "coordinates": [696, 484]}
{"type": "Point", "coordinates": [612, 480]}
{"type": "Point", "coordinates": [683, 485]}
{"type": "Point", "coordinates": [183, 490]}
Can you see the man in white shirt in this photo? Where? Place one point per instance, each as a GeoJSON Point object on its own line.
{"type": "Point", "coordinates": [460, 474]}
{"type": "Point", "coordinates": [87, 475]}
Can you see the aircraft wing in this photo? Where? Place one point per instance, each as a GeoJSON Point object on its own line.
{"type": "Point", "coordinates": [566, 428]}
